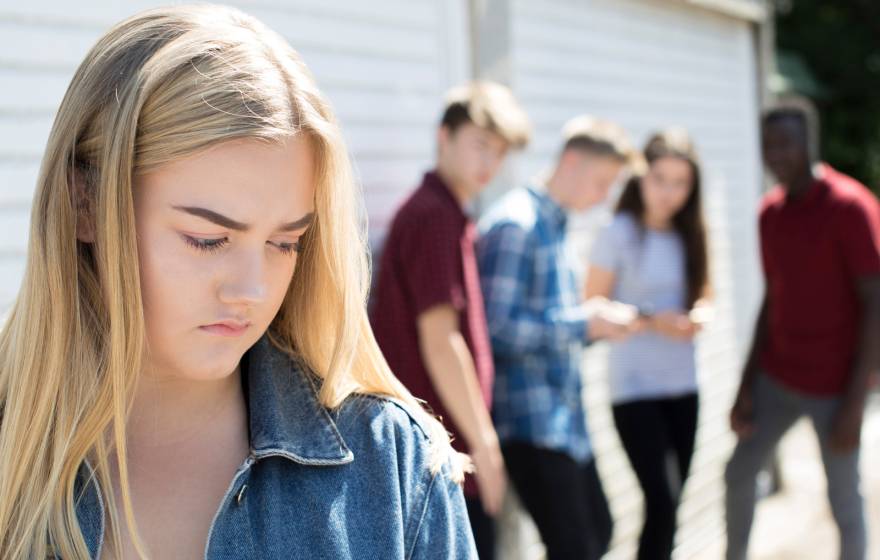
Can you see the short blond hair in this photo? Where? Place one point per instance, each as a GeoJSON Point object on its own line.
{"type": "Point", "coordinates": [490, 106]}
{"type": "Point", "coordinates": [597, 136]}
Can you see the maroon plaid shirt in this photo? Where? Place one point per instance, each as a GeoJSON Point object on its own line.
{"type": "Point", "coordinates": [428, 259]}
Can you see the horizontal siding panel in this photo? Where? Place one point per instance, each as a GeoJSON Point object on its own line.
{"type": "Point", "coordinates": [14, 231]}
{"type": "Point", "coordinates": [607, 47]}
{"type": "Point", "coordinates": [339, 34]}
{"type": "Point", "coordinates": [544, 62]}
{"type": "Point", "coordinates": [394, 140]}
{"type": "Point", "coordinates": [629, 97]}
{"type": "Point", "coordinates": [28, 92]}
{"type": "Point", "coordinates": [404, 175]}
{"type": "Point", "coordinates": [25, 135]}
{"type": "Point", "coordinates": [630, 18]}
{"type": "Point", "coordinates": [17, 182]}
{"type": "Point", "coordinates": [399, 106]}
{"type": "Point", "coordinates": [47, 46]}
{"type": "Point", "coordinates": [11, 272]}
{"type": "Point", "coordinates": [404, 14]}
{"type": "Point", "coordinates": [103, 13]}
{"type": "Point", "coordinates": [94, 14]}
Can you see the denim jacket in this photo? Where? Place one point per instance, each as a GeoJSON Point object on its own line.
{"type": "Point", "coordinates": [353, 482]}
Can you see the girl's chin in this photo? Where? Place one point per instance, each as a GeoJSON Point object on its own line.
{"type": "Point", "coordinates": [201, 359]}
{"type": "Point", "coordinates": [213, 368]}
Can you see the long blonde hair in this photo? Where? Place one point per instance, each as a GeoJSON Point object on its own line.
{"type": "Point", "coordinates": [160, 86]}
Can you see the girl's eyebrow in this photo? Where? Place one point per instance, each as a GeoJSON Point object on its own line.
{"type": "Point", "coordinates": [228, 222]}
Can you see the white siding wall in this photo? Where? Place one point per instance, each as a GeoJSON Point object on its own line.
{"type": "Point", "coordinates": [384, 65]}
{"type": "Point", "coordinates": [649, 64]}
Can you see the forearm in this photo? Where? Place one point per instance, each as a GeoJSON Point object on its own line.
{"type": "Point", "coordinates": [750, 369]}
{"type": "Point", "coordinates": [867, 359]}
{"type": "Point", "coordinates": [451, 369]}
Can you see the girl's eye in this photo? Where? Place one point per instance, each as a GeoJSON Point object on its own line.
{"type": "Point", "coordinates": [288, 248]}
{"type": "Point", "coordinates": [211, 245]}
{"type": "Point", "coordinates": [207, 245]}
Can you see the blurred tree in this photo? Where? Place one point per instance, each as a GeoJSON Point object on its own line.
{"type": "Point", "coordinates": [839, 44]}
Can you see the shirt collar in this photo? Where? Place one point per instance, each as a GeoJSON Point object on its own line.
{"type": "Point", "coordinates": [815, 190]}
{"type": "Point", "coordinates": [549, 210]}
{"type": "Point", "coordinates": [435, 183]}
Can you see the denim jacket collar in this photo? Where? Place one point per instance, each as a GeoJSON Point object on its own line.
{"type": "Point", "coordinates": [286, 420]}
{"type": "Point", "coordinates": [286, 417]}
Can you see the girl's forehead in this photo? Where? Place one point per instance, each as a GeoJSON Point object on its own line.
{"type": "Point", "coordinates": [249, 175]}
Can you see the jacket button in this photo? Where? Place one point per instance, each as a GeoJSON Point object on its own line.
{"type": "Point", "coordinates": [240, 497]}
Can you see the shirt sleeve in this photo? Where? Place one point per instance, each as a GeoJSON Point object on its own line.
{"type": "Point", "coordinates": [430, 260]}
{"type": "Point", "coordinates": [860, 238]}
{"type": "Point", "coordinates": [606, 249]}
{"type": "Point", "coordinates": [507, 267]}
{"type": "Point", "coordinates": [444, 530]}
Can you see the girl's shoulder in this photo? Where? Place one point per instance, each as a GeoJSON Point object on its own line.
{"type": "Point", "coordinates": [394, 454]}
{"type": "Point", "coordinates": [624, 223]}
{"type": "Point", "coordinates": [385, 428]}
{"type": "Point", "coordinates": [379, 449]}
{"type": "Point", "coordinates": [621, 230]}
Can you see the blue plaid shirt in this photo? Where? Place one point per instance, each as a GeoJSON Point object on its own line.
{"type": "Point", "coordinates": [536, 322]}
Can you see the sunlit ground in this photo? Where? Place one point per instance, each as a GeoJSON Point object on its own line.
{"type": "Point", "coordinates": [796, 523]}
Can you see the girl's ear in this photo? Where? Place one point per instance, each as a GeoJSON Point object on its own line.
{"type": "Point", "coordinates": [83, 205]}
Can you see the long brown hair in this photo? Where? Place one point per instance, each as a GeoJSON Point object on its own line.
{"type": "Point", "coordinates": [688, 221]}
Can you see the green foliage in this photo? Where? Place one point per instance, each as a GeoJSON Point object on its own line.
{"type": "Point", "coordinates": [839, 40]}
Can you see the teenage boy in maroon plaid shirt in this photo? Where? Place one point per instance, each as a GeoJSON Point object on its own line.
{"type": "Point", "coordinates": [427, 312]}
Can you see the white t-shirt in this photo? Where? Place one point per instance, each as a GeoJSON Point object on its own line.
{"type": "Point", "coordinates": [649, 272]}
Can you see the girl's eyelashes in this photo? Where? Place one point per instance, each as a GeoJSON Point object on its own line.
{"type": "Point", "coordinates": [206, 245]}
{"type": "Point", "coordinates": [288, 248]}
{"type": "Point", "coordinates": [211, 245]}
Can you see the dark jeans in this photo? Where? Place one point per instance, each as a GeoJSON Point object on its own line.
{"type": "Point", "coordinates": [658, 436]}
{"type": "Point", "coordinates": [564, 498]}
{"type": "Point", "coordinates": [483, 527]}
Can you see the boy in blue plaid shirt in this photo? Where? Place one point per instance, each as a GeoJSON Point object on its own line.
{"type": "Point", "coordinates": [538, 326]}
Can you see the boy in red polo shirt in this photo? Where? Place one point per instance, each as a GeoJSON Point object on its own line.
{"type": "Point", "coordinates": [427, 310]}
{"type": "Point", "coordinates": [816, 339]}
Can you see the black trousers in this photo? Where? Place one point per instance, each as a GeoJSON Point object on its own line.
{"type": "Point", "coordinates": [658, 436]}
{"type": "Point", "coordinates": [565, 499]}
{"type": "Point", "coordinates": [483, 527]}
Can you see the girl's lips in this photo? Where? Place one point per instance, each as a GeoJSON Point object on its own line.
{"type": "Point", "coordinates": [229, 329]}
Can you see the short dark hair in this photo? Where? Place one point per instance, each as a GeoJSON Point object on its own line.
{"type": "Point", "coordinates": [801, 111]}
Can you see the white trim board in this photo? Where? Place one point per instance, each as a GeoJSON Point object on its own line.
{"type": "Point", "coordinates": [751, 10]}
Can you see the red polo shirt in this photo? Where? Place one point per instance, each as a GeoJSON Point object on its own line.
{"type": "Point", "coordinates": [428, 259]}
{"type": "Point", "coordinates": [814, 249]}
